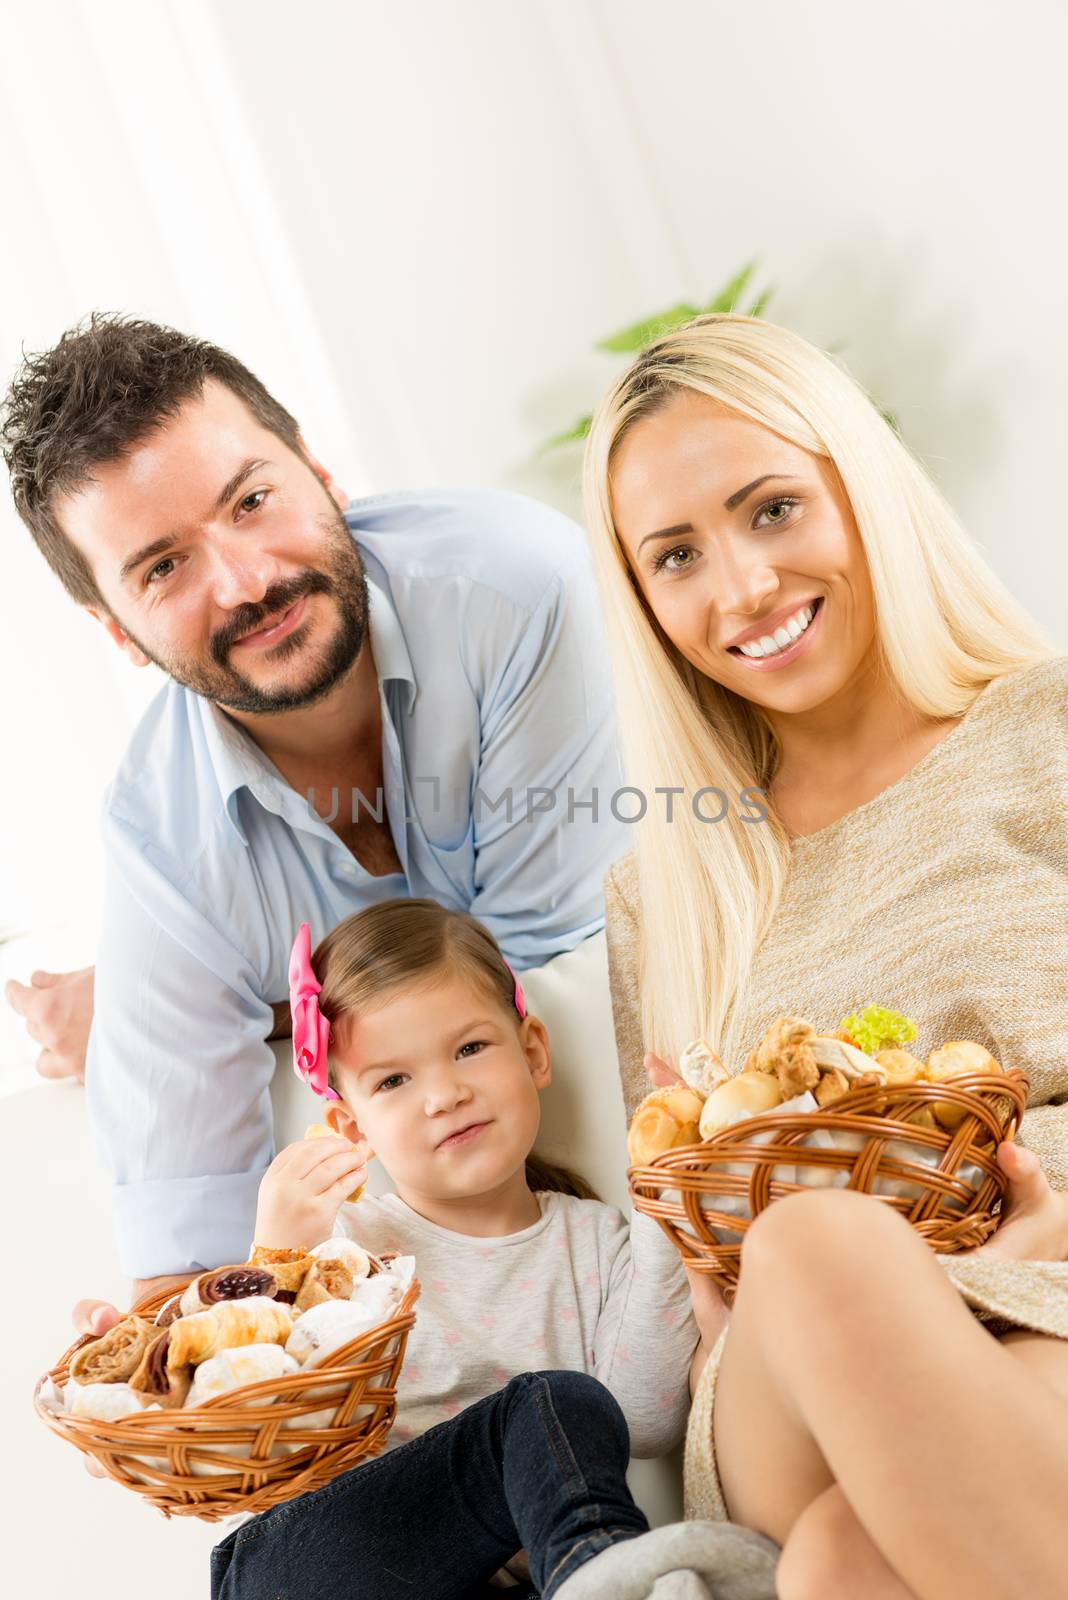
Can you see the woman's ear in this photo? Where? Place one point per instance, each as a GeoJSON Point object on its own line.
{"type": "Point", "coordinates": [341, 1121]}
{"type": "Point", "coordinates": [534, 1038]}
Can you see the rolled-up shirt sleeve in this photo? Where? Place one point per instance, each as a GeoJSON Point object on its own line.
{"type": "Point", "coordinates": [178, 1073]}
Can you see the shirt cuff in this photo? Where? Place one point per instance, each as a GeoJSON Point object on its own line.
{"type": "Point", "coordinates": [171, 1225]}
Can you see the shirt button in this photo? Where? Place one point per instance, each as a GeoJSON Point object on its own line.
{"type": "Point", "coordinates": [349, 869]}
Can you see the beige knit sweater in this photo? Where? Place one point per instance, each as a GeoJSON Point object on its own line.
{"type": "Point", "coordinates": [946, 898]}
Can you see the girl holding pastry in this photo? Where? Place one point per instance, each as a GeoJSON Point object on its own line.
{"type": "Point", "coordinates": [865, 737]}
{"type": "Point", "coordinates": [552, 1337]}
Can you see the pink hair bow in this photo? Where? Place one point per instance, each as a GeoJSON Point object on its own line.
{"type": "Point", "coordinates": [311, 1030]}
{"type": "Point", "coordinates": [520, 997]}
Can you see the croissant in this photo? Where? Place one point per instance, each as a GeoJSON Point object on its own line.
{"type": "Point", "coordinates": [256, 1320]}
{"type": "Point", "coordinates": [116, 1355]}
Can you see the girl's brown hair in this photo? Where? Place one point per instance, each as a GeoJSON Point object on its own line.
{"type": "Point", "coordinates": [389, 945]}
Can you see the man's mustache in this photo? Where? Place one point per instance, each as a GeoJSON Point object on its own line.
{"type": "Point", "coordinates": [250, 619]}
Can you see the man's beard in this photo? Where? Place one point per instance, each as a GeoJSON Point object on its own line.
{"type": "Point", "coordinates": [342, 577]}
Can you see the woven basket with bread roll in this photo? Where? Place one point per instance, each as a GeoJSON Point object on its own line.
{"type": "Point", "coordinates": [255, 1383]}
{"type": "Point", "coordinates": [852, 1108]}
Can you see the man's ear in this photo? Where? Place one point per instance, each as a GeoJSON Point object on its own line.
{"type": "Point", "coordinates": [342, 1122]}
{"type": "Point", "coordinates": [534, 1038]}
{"type": "Point", "coordinates": [111, 627]}
{"type": "Point", "coordinates": [333, 489]}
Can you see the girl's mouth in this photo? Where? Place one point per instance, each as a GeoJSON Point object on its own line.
{"type": "Point", "coordinates": [463, 1137]}
{"type": "Point", "coordinates": [780, 655]}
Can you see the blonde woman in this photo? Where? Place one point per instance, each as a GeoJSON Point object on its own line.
{"type": "Point", "coordinates": [848, 746]}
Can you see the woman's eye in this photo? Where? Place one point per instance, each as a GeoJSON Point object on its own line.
{"type": "Point", "coordinates": [253, 501]}
{"type": "Point", "coordinates": [784, 505]}
{"type": "Point", "coordinates": [666, 560]}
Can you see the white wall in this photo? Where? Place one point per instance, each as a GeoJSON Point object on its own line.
{"type": "Point", "coordinates": [414, 219]}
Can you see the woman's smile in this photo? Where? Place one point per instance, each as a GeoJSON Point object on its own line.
{"type": "Point", "coordinates": [771, 651]}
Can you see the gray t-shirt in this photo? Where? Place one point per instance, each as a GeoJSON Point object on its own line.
{"type": "Point", "coordinates": [583, 1288]}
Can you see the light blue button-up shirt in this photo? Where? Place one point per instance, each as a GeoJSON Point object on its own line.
{"type": "Point", "coordinates": [496, 702]}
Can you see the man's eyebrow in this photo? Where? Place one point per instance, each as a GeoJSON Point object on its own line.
{"type": "Point", "coordinates": [729, 504]}
{"type": "Point", "coordinates": [395, 1061]}
{"type": "Point", "coordinates": [159, 547]}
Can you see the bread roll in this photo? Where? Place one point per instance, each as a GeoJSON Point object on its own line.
{"type": "Point", "coordinates": [665, 1120]}
{"type": "Point", "coordinates": [747, 1095]}
{"type": "Point", "coordinates": [959, 1055]}
{"type": "Point", "coordinates": [701, 1068]}
{"type": "Point", "coordinates": [901, 1068]}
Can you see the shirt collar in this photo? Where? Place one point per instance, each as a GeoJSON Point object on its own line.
{"type": "Point", "coordinates": [238, 760]}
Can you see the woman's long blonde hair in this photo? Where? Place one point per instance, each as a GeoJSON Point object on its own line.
{"type": "Point", "coordinates": [946, 627]}
{"type": "Point", "coordinates": [390, 946]}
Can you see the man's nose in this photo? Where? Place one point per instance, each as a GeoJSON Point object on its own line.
{"type": "Point", "coordinates": [240, 574]}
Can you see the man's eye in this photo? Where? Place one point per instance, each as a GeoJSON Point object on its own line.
{"type": "Point", "coordinates": [150, 576]}
{"type": "Point", "coordinates": [253, 501]}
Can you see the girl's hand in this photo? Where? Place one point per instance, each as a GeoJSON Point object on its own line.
{"type": "Point", "coordinates": [1035, 1217]}
{"type": "Point", "coordinates": [661, 1073]}
{"type": "Point", "coordinates": [303, 1189]}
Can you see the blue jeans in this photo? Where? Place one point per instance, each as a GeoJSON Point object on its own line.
{"type": "Point", "coordinates": [540, 1466]}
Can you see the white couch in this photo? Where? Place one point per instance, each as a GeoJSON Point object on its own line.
{"type": "Point", "coordinates": [70, 1531]}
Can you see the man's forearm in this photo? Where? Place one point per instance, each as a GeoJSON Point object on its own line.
{"type": "Point", "coordinates": [145, 1286]}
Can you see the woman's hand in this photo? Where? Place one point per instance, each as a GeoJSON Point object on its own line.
{"type": "Point", "coordinates": [1034, 1224]}
{"type": "Point", "coordinates": [303, 1189]}
{"type": "Point", "coordinates": [661, 1073]}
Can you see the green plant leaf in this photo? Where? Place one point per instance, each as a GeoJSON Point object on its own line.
{"type": "Point", "coordinates": [578, 430]}
{"type": "Point", "coordinates": [630, 340]}
{"type": "Point", "coordinates": [728, 297]}
{"type": "Point", "coordinates": [757, 308]}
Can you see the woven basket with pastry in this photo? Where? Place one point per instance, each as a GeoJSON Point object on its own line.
{"type": "Point", "coordinates": [851, 1109]}
{"type": "Point", "coordinates": [256, 1383]}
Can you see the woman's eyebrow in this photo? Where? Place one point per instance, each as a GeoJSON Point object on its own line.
{"type": "Point", "coordinates": [729, 504]}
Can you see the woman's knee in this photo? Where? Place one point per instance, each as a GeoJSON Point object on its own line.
{"type": "Point", "coordinates": [828, 1556]}
{"type": "Point", "coordinates": [830, 1230]}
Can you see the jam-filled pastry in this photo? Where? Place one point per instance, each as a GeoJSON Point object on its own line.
{"type": "Point", "coordinates": [116, 1355]}
{"type": "Point", "coordinates": [155, 1380]}
{"type": "Point", "coordinates": [226, 1283]}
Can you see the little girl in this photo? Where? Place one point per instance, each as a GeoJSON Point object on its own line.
{"type": "Point", "coordinates": [552, 1337]}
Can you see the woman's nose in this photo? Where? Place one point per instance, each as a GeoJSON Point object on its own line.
{"type": "Point", "coordinates": [740, 591]}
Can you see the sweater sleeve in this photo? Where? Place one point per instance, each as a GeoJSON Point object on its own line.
{"type": "Point", "coordinates": [623, 938]}
{"type": "Point", "coordinates": [646, 1334]}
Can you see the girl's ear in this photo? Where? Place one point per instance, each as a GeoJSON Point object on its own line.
{"type": "Point", "coordinates": [342, 1122]}
{"type": "Point", "coordinates": [534, 1038]}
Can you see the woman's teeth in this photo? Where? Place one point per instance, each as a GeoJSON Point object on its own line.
{"type": "Point", "coordinates": [773, 644]}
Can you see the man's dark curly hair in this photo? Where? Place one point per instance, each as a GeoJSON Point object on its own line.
{"type": "Point", "coordinates": [102, 389]}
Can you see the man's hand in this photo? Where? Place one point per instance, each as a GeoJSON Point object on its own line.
{"type": "Point", "coordinates": [95, 1317]}
{"type": "Point", "coordinates": [303, 1189]}
{"type": "Point", "coordinates": [1034, 1225]}
{"type": "Point", "coordinates": [57, 1008]}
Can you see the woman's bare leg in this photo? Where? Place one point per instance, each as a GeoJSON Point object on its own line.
{"type": "Point", "coordinates": [853, 1361]}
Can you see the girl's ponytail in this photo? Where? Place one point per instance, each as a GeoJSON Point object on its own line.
{"type": "Point", "coordinates": [542, 1174]}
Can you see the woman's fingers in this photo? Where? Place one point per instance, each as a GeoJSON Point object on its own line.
{"type": "Point", "coordinates": [660, 1072]}
{"type": "Point", "coordinates": [95, 1316]}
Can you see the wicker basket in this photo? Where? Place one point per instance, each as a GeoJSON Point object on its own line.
{"type": "Point", "coordinates": [253, 1447]}
{"type": "Point", "coordinates": [705, 1195]}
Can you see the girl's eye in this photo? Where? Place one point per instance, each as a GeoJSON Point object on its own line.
{"type": "Point", "coordinates": [665, 559]}
{"type": "Point", "coordinates": [253, 501]}
{"type": "Point", "coordinates": [393, 1078]}
{"type": "Point", "coordinates": [473, 1044]}
{"type": "Point", "coordinates": [782, 503]}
